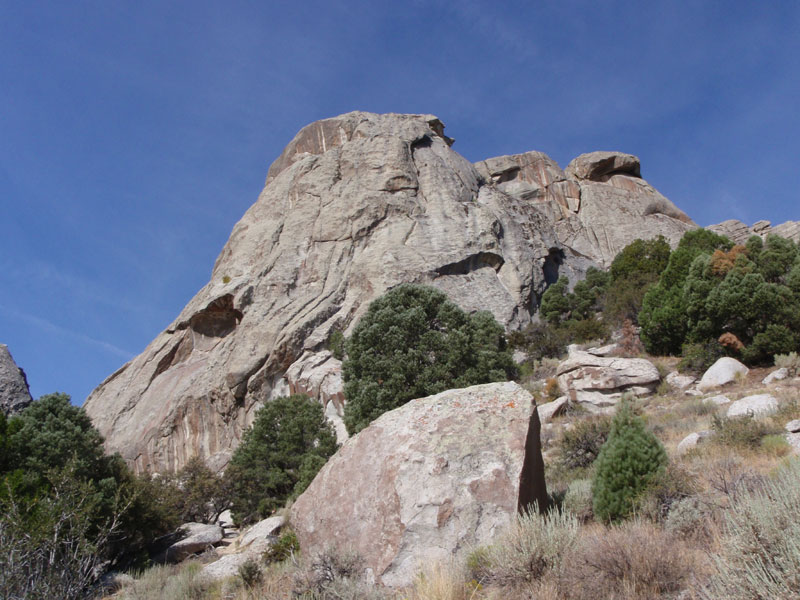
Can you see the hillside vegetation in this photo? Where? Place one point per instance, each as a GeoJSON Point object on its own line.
{"type": "Point", "coordinates": [634, 515]}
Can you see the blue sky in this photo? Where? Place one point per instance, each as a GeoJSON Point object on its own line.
{"type": "Point", "coordinates": [133, 135]}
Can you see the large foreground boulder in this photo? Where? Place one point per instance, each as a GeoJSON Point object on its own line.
{"type": "Point", "coordinates": [14, 392]}
{"type": "Point", "coordinates": [598, 382]}
{"type": "Point", "coordinates": [423, 482]}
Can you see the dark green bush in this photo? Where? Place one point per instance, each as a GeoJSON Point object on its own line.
{"type": "Point", "coordinates": [414, 342]}
{"type": "Point", "coordinates": [697, 358]}
{"type": "Point", "coordinates": [627, 465]}
{"type": "Point", "coordinates": [290, 438]}
{"type": "Point", "coordinates": [541, 340]}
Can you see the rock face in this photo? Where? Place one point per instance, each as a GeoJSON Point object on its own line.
{"type": "Point", "coordinates": [738, 232]}
{"type": "Point", "coordinates": [355, 205]}
{"type": "Point", "coordinates": [433, 478]}
{"type": "Point", "coordinates": [14, 392]}
{"type": "Point", "coordinates": [598, 382]}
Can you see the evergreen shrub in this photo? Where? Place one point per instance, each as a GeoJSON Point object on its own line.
{"type": "Point", "coordinates": [628, 462]}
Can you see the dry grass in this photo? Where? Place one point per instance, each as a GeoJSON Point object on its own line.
{"type": "Point", "coordinates": [636, 560]}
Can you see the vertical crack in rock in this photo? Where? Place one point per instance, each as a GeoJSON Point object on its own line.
{"type": "Point", "coordinates": [532, 486]}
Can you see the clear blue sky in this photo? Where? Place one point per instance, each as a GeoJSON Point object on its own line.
{"type": "Point", "coordinates": [133, 135]}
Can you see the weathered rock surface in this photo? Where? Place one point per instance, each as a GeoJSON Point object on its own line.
{"type": "Point", "coordinates": [776, 375]}
{"type": "Point", "coordinates": [678, 381]}
{"type": "Point", "coordinates": [719, 400]}
{"type": "Point", "coordinates": [14, 392]}
{"type": "Point", "coordinates": [251, 544]}
{"type": "Point", "coordinates": [598, 204]}
{"type": "Point", "coordinates": [692, 440]}
{"type": "Point", "coordinates": [319, 375]}
{"type": "Point", "coordinates": [738, 232]}
{"type": "Point", "coordinates": [600, 381]}
{"type": "Point", "coordinates": [722, 372]}
{"type": "Point", "coordinates": [793, 426]}
{"type": "Point", "coordinates": [431, 479]}
{"type": "Point", "coordinates": [756, 405]}
{"type": "Point", "coordinates": [198, 537]}
{"type": "Point", "coordinates": [355, 205]}
{"type": "Point", "coordinates": [551, 409]}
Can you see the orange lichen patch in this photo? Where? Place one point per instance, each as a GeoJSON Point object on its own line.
{"type": "Point", "coordinates": [510, 405]}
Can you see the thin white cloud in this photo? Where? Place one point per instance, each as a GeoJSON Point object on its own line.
{"type": "Point", "coordinates": [50, 327]}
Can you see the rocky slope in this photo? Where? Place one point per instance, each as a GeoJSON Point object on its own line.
{"type": "Point", "coordinates": [14, 392]}
{"type": "Point", "coordinates": [354, 205]}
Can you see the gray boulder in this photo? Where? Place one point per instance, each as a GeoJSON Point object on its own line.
{"type": "Point", "coordinates": [776, 375]}
{"type": "Point", "coordinates": [197, 538]}
{"type": "Point", "coordinates": [756, 405]}
{"type": "Point", "coordinates": [722, 372]}
{"type": "Point", "coordinates": [719, 400]}
{"type": "Point", "coordinates": [692, 440]}
{"type": "Point", "coordinates": [14, 392]}
{"type": "Point", "coordinates": [678, 381]}
{"type": "Point", "coordinates": [426, 481]}
{"type": "Point", "coordinates": [793, 426]}
{"type": "Point", "coordinates": [599, 381]}
{"type": "Point", "coordinates": [551, 409]}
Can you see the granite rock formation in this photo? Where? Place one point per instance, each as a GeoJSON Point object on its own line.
{"type": "Point", "coordinates": [436, 477]}
{"type": "Point", "coordinates": [738, 232]}
{"type": "Point", "coordinates": [353, 206]}
{"type": "Point", "coordinates": [14, 392]}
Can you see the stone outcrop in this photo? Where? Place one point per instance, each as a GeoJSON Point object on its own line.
{"type": "Point", "coordinates": [250, 545]}
{"type": "Point", "coordinates": [598, 382]}
{"type": "Point", "coordinates": [436, 477]}
{"type": "Point", "coordinates": [738, 232]}
{"type": "Point", "coordinates": [354, 206]}
{"type": "Point", "coordinates": [14, 392]}
{"type": "Point", "coordinates": [597, 205]}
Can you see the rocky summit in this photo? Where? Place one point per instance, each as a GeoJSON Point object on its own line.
{"type": "Point", "coordinates": [355, 205]}
{"type": "Point", "coordinates": [14, 392]}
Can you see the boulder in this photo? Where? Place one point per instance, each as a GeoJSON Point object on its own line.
{"type": "Point", "coordinates": [262, 535]}
{"type": "Point", "coordinates": [599, 166]}
{"type": "Point", "coordinates": [14, 392]}
{"type": "Point", "coordinates": [600, 381]}
{"type": "Point", "coordinates": [197, 538]}
{"type": "Point", "coordinates": [678, 381]}
{"type": "Point", "coordinates": [722, 372]}
{"type": "Point", "coordinates": [225, 566]}
{"type": "Point", "coordinates": [719, 400]}
{"type": "Point", "coordinates": [794, 441]}
{"type": "Point", "coordinates": [756, 405]}
{"type": "Point", "coordinates": [793, 426]}
{"type": "Point", "coordinates": [551, 409]}
{"type": "Point", "coordinates": [776, 375]}
{"type": "Point", "coordinates": [433, 478]}
{"type": "Point", "coordinates": [354, 206]}
{"type": "Point", "coordinates": [692, 440]}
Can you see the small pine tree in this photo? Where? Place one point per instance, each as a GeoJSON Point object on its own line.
{"type": "Point", "coordinates": [627, 464]}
